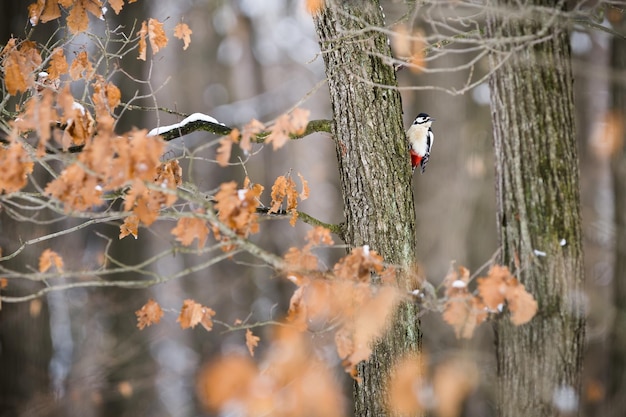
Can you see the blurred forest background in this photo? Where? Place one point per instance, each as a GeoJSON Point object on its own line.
{"type": "Point", "coordinates": [79, 352]}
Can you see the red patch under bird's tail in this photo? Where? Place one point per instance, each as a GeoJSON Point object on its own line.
{"type": "Point", "coordinates": [415, 159]}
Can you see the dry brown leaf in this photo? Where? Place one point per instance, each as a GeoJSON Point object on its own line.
{"type": "Point", "coordinates": [286, 125]}
{"type": "Point", "coordinates": [81, 67]}
{"type": "Point", "coordinates": [464, 313]}
{"type": "Point", "coordinates": [129, 227]}
{"type": "Point", "coordinates": [279, 191]}
{"type": "Point", "coordinates": [299, 120]}
{"type": "Point", "coordinates": [192, 314]}
{"type": "Point", "coordinates": [189, 228]}
{"type": "Point", "coordinates": [359, 265]}
{"type": "Point", "coordinates": [319, 235]}
{"type": "Point", "coordinates": [19, 65]}
{"type": "Point", "coordinates": [58, 64]}
{"type": "Point", "coordinates": [225, 148]}
{"type": "Point", "coordinates": [48, 259]}
{"type": "Point", "coordinates": [300, 260]}
{"type": "Point", "coordinates": [3, 283]}
{"type": "Point", "coordinates": [15, 166]}
{"type": "Point", "coordinates": [250, 130]}
{"type": "Point", "coordinates": [407, 383]}
{"type": "Point", "coordinates": [237, 210]}
{"type": "Point", "coordinates": [252, 341]}
{"type": "Point", "coordinates": [143, 32]}
{"type": "Point", "coordinates": [77, 20]}
{"type": "Point", "coordinates": [183, 32]}
{"type": "Point", "coordinates": [522, 305]}
{"type": "Point", "coordinates": [156, 35]}
{"type": "Point", "coordinates": [305, 188]}
{"type": "Point", "coordinates": [492, 288]}
{"type": "Point", "coordinates": [149, 314]}
{"type": "Point", "coordinates": [116, 5]}
{"type": "Point", "coordinates": [279, 132]}
{"type": "Point", "coordinates": [35, 10]}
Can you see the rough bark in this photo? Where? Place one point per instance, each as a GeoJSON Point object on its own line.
{"type": "Point", "coordinates": [617, 357]}
{"type": "Point", "coordinates": [539, 364]}
{"type": "Point", "coordinates": [374, 169]}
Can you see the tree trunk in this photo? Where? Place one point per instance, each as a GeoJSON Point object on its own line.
{"type": "Point", "coordinates": [539, 364]}
{"type": "Point", "coordinates": [374, 168]}
{"type": "Point", "coordinates": [617, 346]}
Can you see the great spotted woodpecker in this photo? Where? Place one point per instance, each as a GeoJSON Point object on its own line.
{"type": "Point", "coordinates": [420, 137]}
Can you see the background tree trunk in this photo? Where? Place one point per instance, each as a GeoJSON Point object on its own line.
{"type": "Point", "coordinates": [539, 364]}
{"type": "Point", "coordinates": [374, 169]}
{"type": "Point", "coordinates": [617, 357]}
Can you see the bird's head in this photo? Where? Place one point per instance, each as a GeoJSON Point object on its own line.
{"type": "Point", "coordinates": [423, 119]}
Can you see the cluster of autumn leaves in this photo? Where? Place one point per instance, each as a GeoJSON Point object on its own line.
{"type": "Point", "coordinates": [342, 302]}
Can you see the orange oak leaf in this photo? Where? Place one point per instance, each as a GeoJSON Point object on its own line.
{"type": "Point", "coordinates": [225, 148]}
{"type": "Point", "coordinates": [19, 65]}
{"type": "Point", "coordinates": [189, 228]}
{"type": "Point", "coordinates": [77, 20]}
{"type": "Point", "coordinates": [279, 132]}
{"type": "Point", "coordinates": [250, 130]}
{"type": "Point", "coordinates": [237, 208]}
{"type": "Point", "coordinates": [305, 188]}
{"type": "Point", "coordinates": [300, 260]}
{"type": "Point", "coordinates": [48, 259]}
{"type": "Point", "coordinates": [81, 67]}
{"type": "Point", "coordinates": [116, 5]}
{"type": "Point", "coordinates": [58, 64]}
{"type": "Point", "coordinates": [76, 188]}
{"type": "Point", "coordinates": [286, 125]}
{"type": "Point", "coordinates": [359, 265]}
{"type": "Point", "coordinates": [142, 46]}
{"type": "Point", "coordinates": [3, 283]}
{"type": "Point", "coordinates": [43, 11]}
{"type": "Point", "coordinates": [319, 235]}
{"type": "Point", "coordinates": [299, 121]}
{"type": "Point", "coordinates": [15, 165]}
{"type": "Point", "coordinates": [492, 288]}
{"type": "Point", "coordinates": [183, 32]}
{"type": "Point", "coordinates": [156, 35]}
{"type": "Point", "coordinates": [252, 341]}
{"type": "Point", "coordinates": [151, 313]}
{"type": "Point", "coordinates": [285, 187]}
{"type": "Point", "coordinates": [129, 227]}
{"type": "Point", "coordinates": [522, 305]}
{"type": "Point", "coordinates": [464, 313]}
{"type": "Point", "coordinates": [192, 314]}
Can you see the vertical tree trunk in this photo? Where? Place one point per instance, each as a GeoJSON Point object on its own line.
{"type": "Point", "coordinates": [617, 347]}
{"type": "Point", "coordinates": [374, 169]}
{"type": "Point", "coordinates": [539, 364]}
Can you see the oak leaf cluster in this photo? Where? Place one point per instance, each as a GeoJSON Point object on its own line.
{"type": "Point", "coordinates": [465, 310]}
